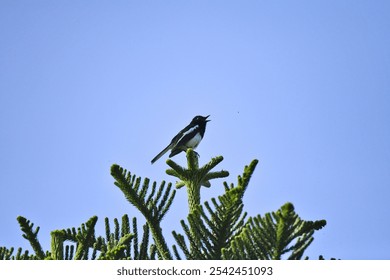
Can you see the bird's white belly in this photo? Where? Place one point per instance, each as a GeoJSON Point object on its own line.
{"type": "Point", "coordinates": [194, 142]}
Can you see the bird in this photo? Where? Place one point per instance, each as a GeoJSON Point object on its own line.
{"type": "Point", "coordinates": [188, 137]}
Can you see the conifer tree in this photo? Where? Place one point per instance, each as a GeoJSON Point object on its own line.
{"type": "Point", "coordinates": [218, 229]}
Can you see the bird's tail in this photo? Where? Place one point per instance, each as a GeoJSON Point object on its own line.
{"type": "Point", "coordinates": [161, 153]}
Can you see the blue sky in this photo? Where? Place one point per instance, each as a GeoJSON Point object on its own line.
{"type": "Point", "coordinates": [302, 86]}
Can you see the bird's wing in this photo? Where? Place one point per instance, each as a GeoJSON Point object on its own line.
{"type": "Point", "coordinates": [177, 142]}
{"type": "Point", "coordinates": [183, 139]}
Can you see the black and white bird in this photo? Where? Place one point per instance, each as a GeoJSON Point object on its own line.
{"type": "Point", "coordinates": [189, 137]}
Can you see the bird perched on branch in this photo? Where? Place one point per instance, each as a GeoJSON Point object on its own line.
{"type": "Point", "coordinates": [188, 137]}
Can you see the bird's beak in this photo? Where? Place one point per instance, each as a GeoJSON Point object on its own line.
{"type": "Point", "coordinates": [207, 119]}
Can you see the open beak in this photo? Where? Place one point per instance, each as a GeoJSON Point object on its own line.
{"type": "Point", "coordinates": [207, 119]}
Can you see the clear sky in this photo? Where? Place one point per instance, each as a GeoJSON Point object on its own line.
{"type": "Point", "coordinates": [302, 86]}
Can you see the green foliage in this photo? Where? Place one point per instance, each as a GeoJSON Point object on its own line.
{"type": "Point", "coordinates": [152, 205]}
{"type": "Point", "coordinates": [216, 229]}
{"type": "Point", "coordinates": [8, 254]}
{"type": "Point", "coordinates": [194, 177]}
{"type": "Point", "coordinates": [210, 233]}
{"type": "Point", "coordinates": [31, 235]}
{"type": "Point", "coordinates": [270, 237]}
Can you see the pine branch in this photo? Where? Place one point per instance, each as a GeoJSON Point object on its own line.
{"type": "Point", "coordinates": [6, 254]}
{"type": "Point", "coordinates": [85, 238]}
{"type": "Point", "coordinates": [210, 234]}
{"type": "Point", "coordinates": [176, 253]}
{"type": "Point", "coordinates": [135, 243]}
{"type": "Point", "coordinates": [143, 255]}
{"type": "Point", "coordinates": [99, 245]}
{"type": "Point", "coordinates": [31, 236]}
{"type": "Point", "coordinates": [124, 231]}
{"type": "Point", "coordinates": [107, 228]}
{"type": "Point", "coordinates": [122, 250]}
{"type": "Point", "coordinates": [194, 177]}
{"type": "Point", "coordinates": [116, 250]}
{"type": "Point", "coordinates": [57, 244]}
{"type": "Point", "coordinates": [153, 251]}
{"type": "Point", "coordinates": [272, 236]}
{"type": "Point", "coordinates": [153, 207]}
